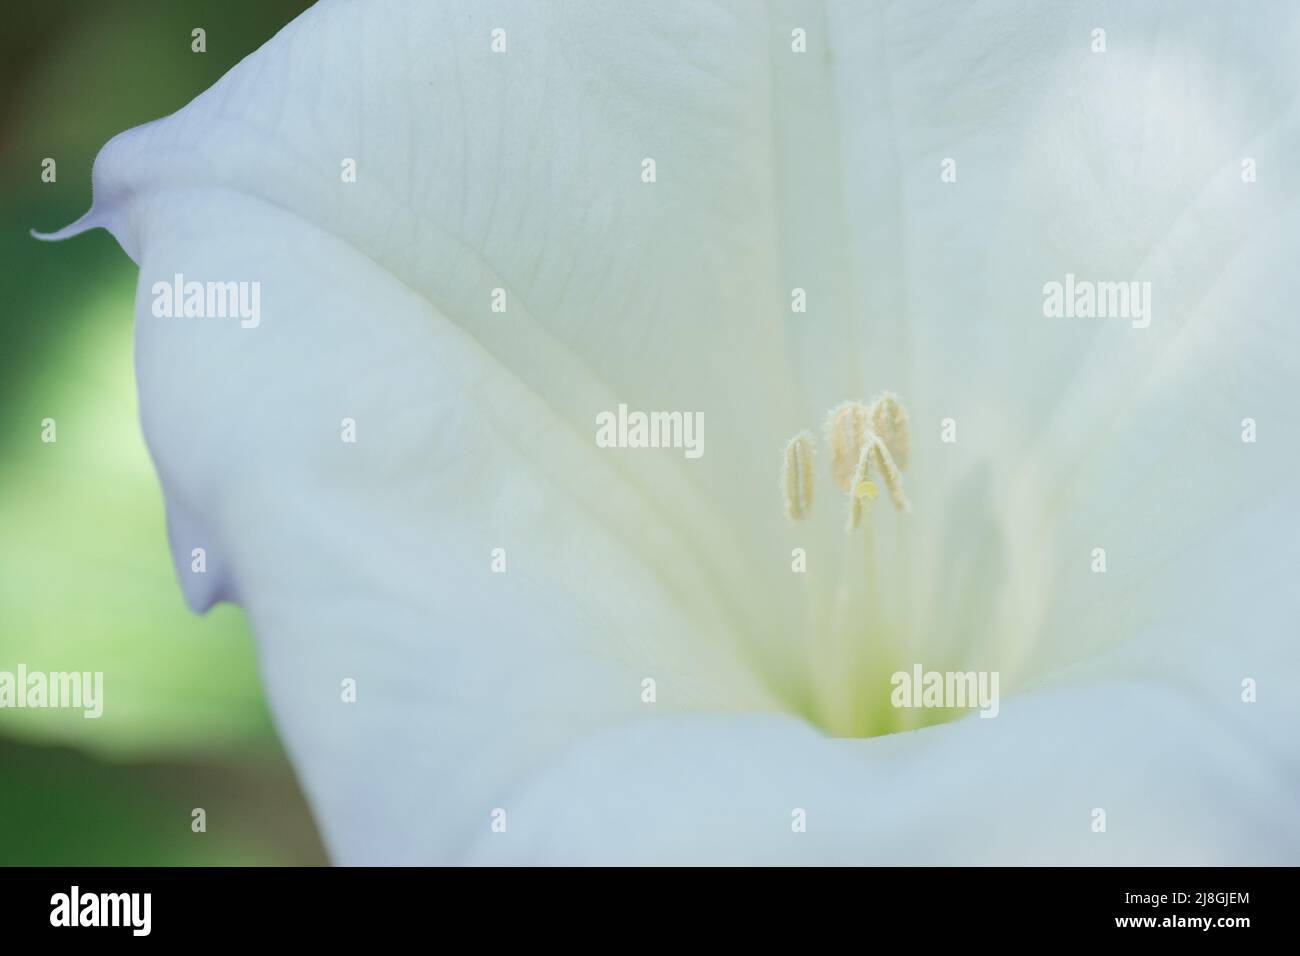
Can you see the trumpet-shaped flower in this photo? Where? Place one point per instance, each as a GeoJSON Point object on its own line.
{"type": "Point", "coordinates": [473, 228]}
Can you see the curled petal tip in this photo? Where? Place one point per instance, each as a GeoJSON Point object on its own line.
{"type": "Point", "coordinates": [87, 222]}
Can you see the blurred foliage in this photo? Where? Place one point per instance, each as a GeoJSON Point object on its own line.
{"type": "Point", "coordinates": [86, 582]}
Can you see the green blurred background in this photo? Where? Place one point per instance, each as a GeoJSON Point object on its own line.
{"type": "Point", "coordinates": [85, 578]}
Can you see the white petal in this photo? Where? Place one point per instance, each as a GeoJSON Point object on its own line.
{"type": "Point", "coordinates": [372, 561]}
{"type": "Point", "coordinates": [1160, 740]}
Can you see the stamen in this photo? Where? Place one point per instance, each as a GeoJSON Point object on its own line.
{"type": "Point", "coordinates": [865, 439]}
{"type": "Point", "coordinates": [869, 447]}
{"type": "Point", "coordinates": [874, 453]}
{"type": "Point", "coordinates": [797, 476]}
{"type": "Point", "coordinates": [846, 431]}
{"type": "Point", "coordinates": [889, 421]}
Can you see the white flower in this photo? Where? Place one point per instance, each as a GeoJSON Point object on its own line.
{"type": "Point", "coordinates": [826, 171]}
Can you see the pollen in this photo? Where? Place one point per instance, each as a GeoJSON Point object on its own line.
{"type": "Point", "coordinates": [797, 476]}
{"type": "Point", "coordinates": [867, 489]}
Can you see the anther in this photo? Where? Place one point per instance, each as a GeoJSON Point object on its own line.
{"type": "Point", "coordinates": [797, 476]}
{"type": "Point", "coordinates": [889, 422]}
{"type": "Point", "coordinates": [846, 431]}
